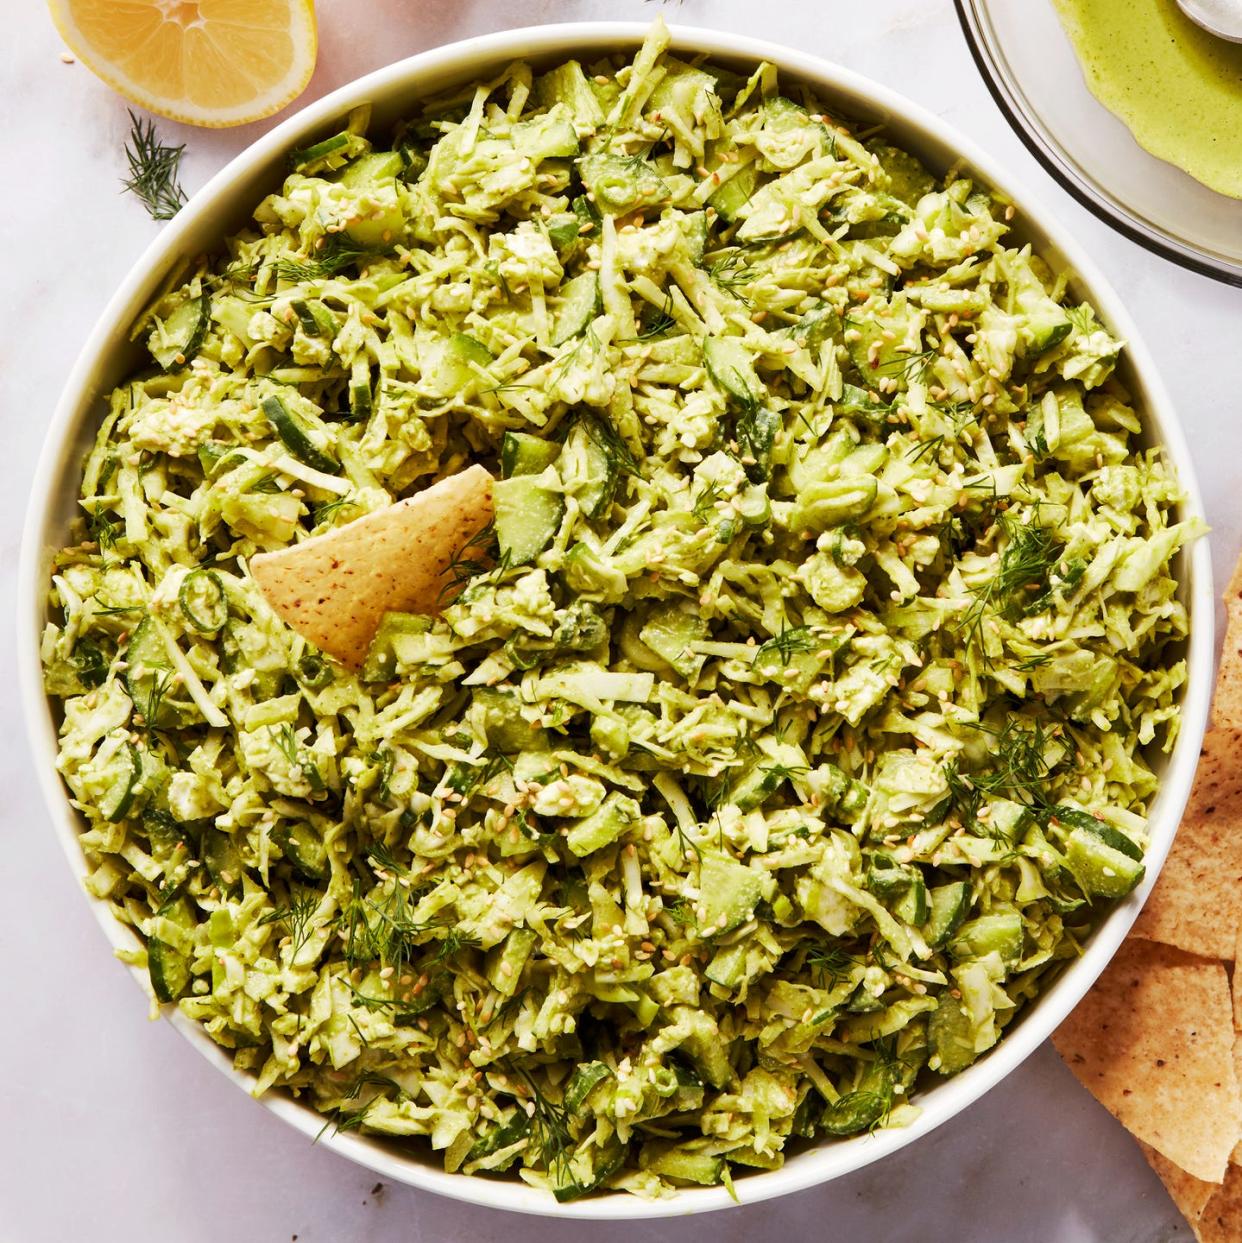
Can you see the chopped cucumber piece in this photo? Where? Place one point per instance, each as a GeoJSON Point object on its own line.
{"type": "Point", "coordinates": [381, 662]}
{"type": "Point", "coordinates": [1072, 818]}
{"type": "Point", "coordinates": [502, 722]}
{"type": "Point", "coordinates": [588, 469]}
{"type": "Point", "coordinates": [567, 84]}
{"type": "Point", "coordinates": [370, 168]}
{"type": "Point", "coordinates": [1000, 933]}
{"type": "Point", "coordinates": [728, 967]}
{"type": "Point", "coordinates": [731, 366]}
{"type": "Point", "coordinates": [603, 826]}
{"type": "Point", "coordinates": [296, 438]}
{"type": "Point", "coordinates": [523, 454]}
{"type": "Point", "coordinates": [302, 845]}
{"type": "Point", "coordinates": [951, 1036]}
{"type": "Point", "coordinates": [179, 338]}
{"type": "Point", "coordinates": [584, 1081]}
{"type": "Point", "coordinates": [118, 798]}
{"type": "Point", "coordinates": [579, 306]}
{"type": "Point", "coordinates": [455, 374]}
{"type": "Point", "coordinates": [528, 514]}
{"type": "Point", "coordinates": [735, 193]}
{"type": "Point", "coordinates": [684, 1165]}
{"type": "Point", "coordinates": [168, 968]}
{"type": "Point", "coordinates": [547, 137]}
{"type": "Point", "coordinates": [506, 963]}
{"type": "Point", "coordinates": [912, 906]}
{"type": "Point", "coordinates": [669, 632]}
{"type": "Point", "coordinates": [619, 185]}
{"type": "Point", "coordinates": [223, 861]}
{"type": "Point", "coordinates": [148, 674]}
{"type": "Point", "coordinates": [729, 891]}
{"type": "Point", "coordinates": [1101, 871]}
{"type": "Point", "coordinates": [949, 904]}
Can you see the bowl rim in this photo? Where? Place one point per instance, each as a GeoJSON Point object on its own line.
{"type": "Point", "coordinates": [78, 402]}
{"type": "Point", "coordinates": [1048, 151]}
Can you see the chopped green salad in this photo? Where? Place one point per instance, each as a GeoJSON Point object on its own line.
{"type": "Point", "coordinates": [789, 727]}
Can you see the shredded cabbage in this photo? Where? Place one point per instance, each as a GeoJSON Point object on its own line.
{"type": "Point", "coordinates": [791, 727]}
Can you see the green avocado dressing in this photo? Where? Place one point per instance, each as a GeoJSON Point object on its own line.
{"type": "Point", "coordinates": [1178, 88]}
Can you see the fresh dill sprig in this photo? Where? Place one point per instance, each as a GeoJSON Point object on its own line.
{"type": "Point", "coordinates": [297, 918]}
{"type": "Point", "coordinates": [790, 641]}
{"type": "Point", "coordinates": [116, 610]}
{"type": "Point", "coordinates": [732, 271]}
{"type": "Point", "coordinates": [1020, 585]}
{"type": "Point", "coordinates": [353, 1119]}
{"type": "Point", "coordinates": [608, 439]}
{"type": "Point", "coordinates": [1032, 552]}
{"type": "Point", "coordinates": [924, 447]}
{"type": "Point", "coordinates": [504, 1010]}
{"type": "Point", "coordinates": [478, 555]}
{"type": "Point", "coordinates": [1033, 662]}
{"type": "Point", "coordinates": [829, 965]}
{"type": "Point", "coordinates": [384, 931]}
{"type": "Point", "coordinates": [660, 323]}
{"type": "Point", "coordinates": [910, 367]}
{"type": "Point", "coordinates": [682, 913]}
{"type": "Point", "coordinates": [776, 773]}
{"type": "Point", "coordinates": [1019, 768]}
{"type": "Point", "coordinates": [453, 942]}
{"type": "Point", "coordinates": [705, 500]}
{"type": "Point", "coordinates": [382, 860]}
{"type": "Point", "coordinates": [153, 169]}
{"type": "Point", "coordinates": [155, 703]}
{"type": "Point", "coordinates": [551, 1137]}
{"type": "Point", "coordinates": [336, 253]}
{"type": "Point", "coordinates": [104, 529]}
{"type": "Point", "coordinates": [466, 778]}
{"type": "Point", "coordinates": [330, 509]}
{"type": "Point", "coordinates": [297, 756]}
{"type": "Point", "coordinates": [589, 340]}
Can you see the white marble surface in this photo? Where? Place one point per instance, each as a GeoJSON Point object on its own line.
{"type": "Point", "coordinates": [111, 1127]}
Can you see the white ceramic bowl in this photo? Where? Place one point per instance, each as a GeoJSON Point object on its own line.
{"type": "Point", "coordinates": [224, 204]}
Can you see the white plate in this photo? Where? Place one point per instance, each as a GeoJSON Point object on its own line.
{"type": "Point", "coordinates": [223, 205]}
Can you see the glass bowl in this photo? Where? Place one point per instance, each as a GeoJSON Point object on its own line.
{"type": "Point", "coordinates": [1030, 67]}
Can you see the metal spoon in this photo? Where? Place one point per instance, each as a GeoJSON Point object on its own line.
{"type": "Point", "coordinates": [1222, 18]}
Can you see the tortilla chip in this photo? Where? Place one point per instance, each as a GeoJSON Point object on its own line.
{"type": "Point", "coordinates": [1221, 1220]}
{"type": "Point", "coordinates": [1237, 984]}
{"type": "Point", "coordinates": [1197, 902]}
{"type": "Point", "coordinates": [1235, 1157]}
{"type": "Point", "coordinates": [1189, 1193]}
{"type": "Point", "coordinates": [1227, 703]}
{"type": "Point", "coordinates": [1153, 1042]}
{"type": "Point", "coordinates": [334, 589]}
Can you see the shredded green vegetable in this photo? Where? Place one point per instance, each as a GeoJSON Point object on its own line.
{"type": "Point", "coordinates": [789, 729]}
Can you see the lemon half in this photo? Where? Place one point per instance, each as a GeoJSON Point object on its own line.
{"type": "Point", "coordinates": [206, 62]}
